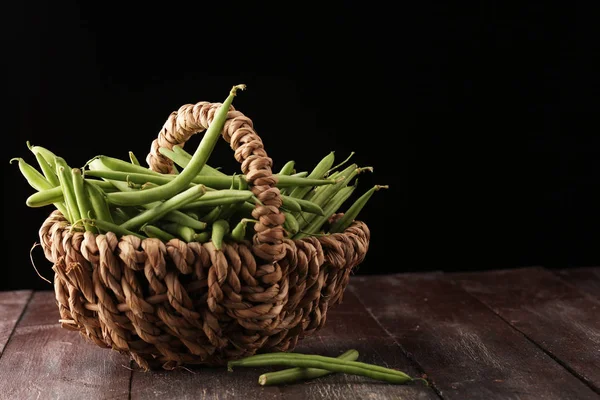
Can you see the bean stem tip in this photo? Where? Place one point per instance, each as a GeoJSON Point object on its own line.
{"type": "Point", "coordinates": [237, 87]}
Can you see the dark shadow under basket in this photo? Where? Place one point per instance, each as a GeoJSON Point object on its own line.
{"type": "Point", "coordinates": [168, 304]}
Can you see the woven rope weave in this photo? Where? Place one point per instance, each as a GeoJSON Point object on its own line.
{"type": "Point", "coordinates": [168, 304]}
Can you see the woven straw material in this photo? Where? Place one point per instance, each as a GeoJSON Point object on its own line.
{"type": "Point", "coordinates": [168, 304]}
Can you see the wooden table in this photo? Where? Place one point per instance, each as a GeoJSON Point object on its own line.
{"type": "Point", "coordinates": [527, 333]}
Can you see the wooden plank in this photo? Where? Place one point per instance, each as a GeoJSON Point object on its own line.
{"type": "Point", "coordinates": [348, 326]}
{"type": "Point", "coordinates": [12, 305]}
{"type": "Point", "coordinates": [585, 279]}
{"type": "Point", "coordinates": [558, 317]}
{"type": "Point", "coordinates": [43, 360]}
{"type": "Point", "coordinates": [467, 351]}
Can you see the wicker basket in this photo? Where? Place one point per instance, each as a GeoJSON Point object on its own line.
{"type": "Point", "coordinates": [168, 304]}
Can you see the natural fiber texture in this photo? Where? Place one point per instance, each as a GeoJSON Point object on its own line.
{"type": "Point", "coordinates": [168, 304]}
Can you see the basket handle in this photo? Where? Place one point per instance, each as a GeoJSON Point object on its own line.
{"type": "Point", "coordinates": [249, 152]}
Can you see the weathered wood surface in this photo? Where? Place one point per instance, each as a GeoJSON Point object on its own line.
{"type": "Point", "coordinates": [12, 305]}
{"type": "Point", "coordinates": [489, 335]}
{"type": "Point", "coordinates": [44, 361]}
{"type": "Point", "coordinates": [467, 351]}
{"type": "Point", "coordinates": [585, 279]}
{"type": "Point", "coordinates": [348, 326]}
{"type": "Point", "coordinates": [560, 319]}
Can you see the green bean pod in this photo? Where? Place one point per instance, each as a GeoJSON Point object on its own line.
{"type": "Point", "coordinates": [35, 179]}
{"type": "Point", "coordinates": [82, 200]}
{"type": "Point", "coordinates": [119, 216]}
{"type": "Point", "coordinates": [331, 207]}
{"type": "Point", "coordinates": [106, 226]}
{"type": "Point", "coordinates": [291, 224]}
{"type": "Point", "coordinates": [133, 158]}
{"type": "Point", "coordinates": [173, 216]}
{"type": "Point", "coordinates": [340, 164]}
{"type": "Point", "coordinates": [47, 170]}
{"type": "Point", "coordinates": [328, 363]}
{"type": "Point", "coordinates": [288, 168]}
{"type": "Point", "coordinates": [184, 232]}
{"type": "Point", "coordinates": [207, 170]}
{"type": "Point", "coordinates": [317, 173]}
{"type": "Point", "coordinates": [106, 187]}
{"type": "Point", "coordinates": [203, 152]}
{"type": "Point", "coordinates": [292, 375]}
{"type": "Point", "coordinates": [238, 233]}
{"type": "Point", "coordinates": [219, 229]}
{"type": "Point", "coordinates": [160, 210]}
{"type": "Point", "coordinates": [343, 223]}
{"type": "Point", "coordinates": [290, 204]}
{"type": "Point", "coordinates": [212, 215]}
{"type": "Point", "coordinates": [306, 205]}
{"type": "Point", "coordinates": [219, 198]}
{"type": "Point", "coordinates": [155, 232]}
{"type": "Point", "coordinates": [45, 153]}
{"type": "Point", "coordinates": [202, 237]}
{"type": "Point", "coordinates": [66, 184]}
{"type": "Point", "coordinates": [122, 166]}
{"type": "Point", "coordinates": [98, 201]}
{"type": "Point", "coordinates": [39, 182]}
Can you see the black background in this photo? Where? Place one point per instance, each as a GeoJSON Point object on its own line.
{"type": "Point", "coordinates": [480, 118]}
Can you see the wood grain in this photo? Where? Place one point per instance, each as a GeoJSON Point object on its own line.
{"type": "Point", "coordinates": [44, 361]}
{"type": "Point", "coordinates": [348, 326]}
{"type": "Point", "coordinates": [556, 316]}
{"type": "Point", "coordinates": [12, 305]}
{"type": "Point", "coordinates": [467, 351]}
{"type": "Point", "coordinates": [585, 279]}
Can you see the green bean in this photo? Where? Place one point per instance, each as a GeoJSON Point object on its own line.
{"type": "Point", "coordinates": [199, 158]}
{"type": "Point", "coordinates": [330, 208]}
{"type": "Point", "coordinates": [184, 232]}
{"type": "Point", "coordinates": [328, 363]}
{"type": "Point", "coordinates": [292, 375]}
{"type": "Point", "coordinates": [66, 183]}
{"type": "Point", "coordinates": [216, 182]}
{"type": "Point", "coordinates": [45, 197]}
{"type": "Point", "coordinates": [45, 153]}
{"type": "Point", "coordinates": [201, 237]}
{"type": "Point", "coordinates": [343, 223]}
{"type": "Point", "coordinates": [192, 215]}
{"type": "Point", "coordinates": [290, 204]}
{"type": "Point", "coordinates": [212, 215]}
{"type": "Point", "coordinates": [207, 170]}
{"type": "Point", "coordinates": [339, 165]}
{"type": "Point", "coordinates": [39, 182]}
{"type": "Point", "coordinates": [160, 210]}
{"type": "Point", "coordinates": [82, 200]}
{"type": "Point", "coordinates": [119, 165]}
{"type": "Point", "coordinates": [317, 173]}
{"type": "Point", "coordinates": [47, 170]}
{"type": "Point", "coordinates": [323, 194]}
{"type": "Point", "coordinates": [219, 229]}
{"type": "Point", "coordinates": [291, 224]}
{"type": "Point", "coordinates": [156, 232]}
{"type": "Point", "coordinates": [119, 216]}
{"type": "Point", "coordinates": [106, 226]}
{"type": "Point", "coordinates": [287, 169]}
{"type": "Point", "coordinates": [133, 158]}
{"type": "Point", "coordinates": [98, 200]}
{"type": "Point", "coordinates": [300, 174]}
{"type": "Point", "coordinates": [106, 187]}
{"type": "Point", "coordinates": [239, 232]}
{"type": "Point", "coordinates": [306, 205]}
{"type": "Point", "coordinates": [219, 198]}
{"type": "Point", "coordinates": [173, 216]}
{"type": "Point", "coordinates": [35, 179]}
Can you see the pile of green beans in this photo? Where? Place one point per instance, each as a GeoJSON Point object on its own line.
{"type": "Point", "coordinates": [196, 203]}
{"type": "Point", "coordinates": [309, 366]}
